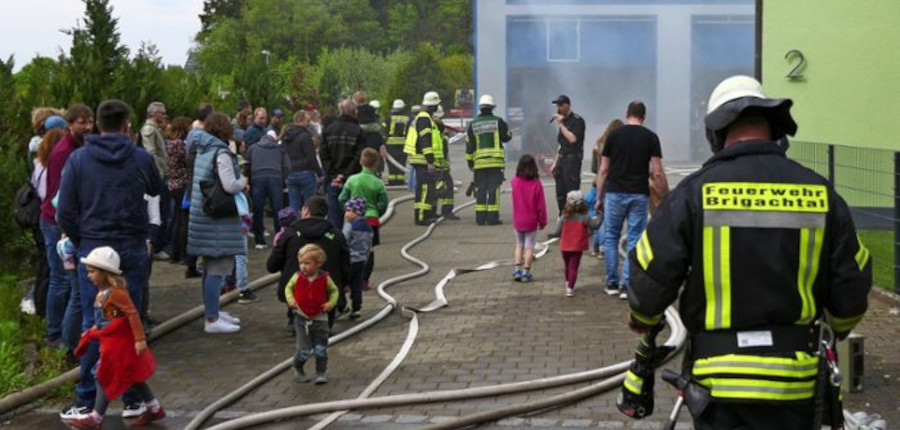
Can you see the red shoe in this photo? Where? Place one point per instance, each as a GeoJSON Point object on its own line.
{"type": "Point", "coordinates": [85, 422]}
{"type": "Point", "coordinates": [149, 416]}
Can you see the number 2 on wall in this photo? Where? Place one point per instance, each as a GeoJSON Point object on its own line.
{"type": "Point", "coordinates": [795, 73]}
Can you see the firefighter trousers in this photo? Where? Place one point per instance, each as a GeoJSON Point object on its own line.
{"type": "Point", "coordinates": [734, 416]}
{"type": "Point", "coordinates": [487, 195]}
{"type": "Point", "coordinates": [444, 188]}
{"type": "Point", "coordinates": [426, 195]}
{"type": "Point", "coordinates": [396, 176]}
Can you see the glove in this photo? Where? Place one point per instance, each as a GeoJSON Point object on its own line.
{"type": "Point", "coordinates": [471, 189]}
{"type": "Point", "coordinates": [636, 397]}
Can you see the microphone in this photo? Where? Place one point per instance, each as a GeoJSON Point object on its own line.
{"type": "Point", "coordinates": [551, 120]}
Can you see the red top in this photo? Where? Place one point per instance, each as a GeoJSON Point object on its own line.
{"type": "Point", "coordinates": [55, 163]}
{"type": "Point", "coordinates": [574, 235]}
{"type": "Point", "coordinates": [311, 296]}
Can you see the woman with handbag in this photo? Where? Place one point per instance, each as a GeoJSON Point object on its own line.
{"type": "Point", "coordinates": [214, 226]}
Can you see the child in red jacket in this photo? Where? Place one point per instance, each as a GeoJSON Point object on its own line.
{"type": "Point", "coordinates": [311, 293]}
{"type": "Point", "coordinates": [125, 362]}
{"type": "Point", "coordinates": [573, 228]}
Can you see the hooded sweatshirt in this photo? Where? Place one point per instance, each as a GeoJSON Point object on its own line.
{"type": "Point", "coordinates": [304, 231]}
{"type": "Point", "coordinates": [298, 143]}
{"type": "Point", "coordinates": [268, 159]}
{"type": "Point", "coordinates": [101, 194]}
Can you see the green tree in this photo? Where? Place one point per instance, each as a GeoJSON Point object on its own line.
{"type": "Point", "coordinates": [215, 11]}
{"type": "Point", "coordinates": [420, 74]}
{"type": "Point", "coordinates": [13, 169]}
{"type": "Point", "coordinates": [96, 53]}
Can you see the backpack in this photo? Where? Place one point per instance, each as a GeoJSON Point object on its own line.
{"type": "Point", "coordinates": [28, 205]}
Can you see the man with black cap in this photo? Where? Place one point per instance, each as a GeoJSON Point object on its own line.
{"type": "Point", "coordinates": [566, 167]}
{"type": "Point", "coordinates": [276, 122]}
{"type": "Point", "coordinates": [769, 259]}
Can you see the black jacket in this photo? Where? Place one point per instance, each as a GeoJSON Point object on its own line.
{"type": "Point", "coordinates": [306, 231]}
{"type": "Point", "coordinates": [298, 143]}
{"type": "Point", "coordinates": [342, 143]}
{"type": "Point", "coordinates": [737, 233]}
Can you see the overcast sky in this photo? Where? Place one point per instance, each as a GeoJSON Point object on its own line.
{"type": "Point", "coordinates": [32, 27]}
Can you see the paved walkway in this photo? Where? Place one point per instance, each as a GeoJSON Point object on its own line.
{"type": "Point", "coordinates": [494, 331]}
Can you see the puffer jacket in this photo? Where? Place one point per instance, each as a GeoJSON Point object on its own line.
{"type": "Point", "coordinates": [212, 237]}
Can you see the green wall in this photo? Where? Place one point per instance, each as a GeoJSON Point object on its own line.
{"type": "Point", "coordinates": [850, 93]}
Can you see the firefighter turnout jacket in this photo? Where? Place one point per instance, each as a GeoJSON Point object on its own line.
{"type": "Point", "coordinates": [764, 247]}
{"type": "Point", "coordinates": [484, 142]}
{"type": "Point", "coordinates": [424, 143]}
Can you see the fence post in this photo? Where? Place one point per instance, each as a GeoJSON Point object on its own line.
{"type": "Point", "coordinates": [897, 222]}
{"type": "Point", "coordinates": [831, 164]}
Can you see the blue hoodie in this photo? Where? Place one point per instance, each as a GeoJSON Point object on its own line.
{"type": "Point", "coordinates": [101, 195]}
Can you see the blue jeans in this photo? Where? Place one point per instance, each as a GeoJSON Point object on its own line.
{"type": "Point", "coordinates": [261, 189]}
{"type": "Point", "coordinates": [212, 289]}
{"type": "Point", "coordinates": [619, 208]}
{"type": "Point", "coordinates": [134, 263]}
{"type": "Point", "coordinates": [240, 268]}
{"type": "Point", "coordinates": [301, 186]}
{"type": "Point", "coordinates": [71, 330]}
{"type": "Point", "coordinates": [335, 211]}
{"type": "Point", "coordinates": [59, 285]}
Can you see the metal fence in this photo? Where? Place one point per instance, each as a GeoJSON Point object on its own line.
{"type": "Point", "coordinates": [869, 180]}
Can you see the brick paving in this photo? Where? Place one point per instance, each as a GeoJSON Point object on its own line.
{"type": "Point", "coordinates": [494, 331]}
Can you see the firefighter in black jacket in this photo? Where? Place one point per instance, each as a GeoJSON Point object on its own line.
{"type": "Point", "coordinates": [397, 124]}
{"type": "Point", "coordinates": [764, 248]}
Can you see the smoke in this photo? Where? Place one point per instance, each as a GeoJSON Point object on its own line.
{"type": "Point", "coordinates": [604, 56]}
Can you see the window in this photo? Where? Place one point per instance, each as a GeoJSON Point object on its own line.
{"type": "Point", "coordinates": [563, 40]}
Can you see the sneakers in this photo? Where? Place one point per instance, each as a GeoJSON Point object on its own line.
{"type": "Point", "coordinates": [260, 246]}
{"type": "Point", "coordinates": [74, 411]}
{"type": "Point", "coordinates": [134, 410]}
{"type": "Point", "coordinates": [149, 416]}
{"type": "Point", "coordinates": [612, 289]}
{"type": "Point", "coordinates": [517, 274]}
{"type": "Point", "coordinates": [229, 318]}
{"type": "Point", "coordinates": [220, 326]}
{"type": "Point", "coordinates": [527, 277]}
{"type": "Point", "coordinates": [85, 422]}
{"type": "Point", "coordinates": [623, 295]}
{"type": "Point", "coordinates": [320, 379]}
{"type": "Point", "coordinates": [570, 292]}
{"type": "Point", "coordinates": [354, 316]}
{"type": "Point", "coordinates": [340, 313]}
{"type": "Point", "coordinates": [161, 256]}
{"type": "Point", "coordinates": [247, 296]}
{"type": "Point", "coordinates": [27, 306]}
{"type": "Point", "coordinates": [300, 375]}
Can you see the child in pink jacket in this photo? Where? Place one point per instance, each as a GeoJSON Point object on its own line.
{"type": "Point", "coordinates": [529, 214]}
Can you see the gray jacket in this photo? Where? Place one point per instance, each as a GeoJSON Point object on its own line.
{"type": "Point", "coordinates": [268, 159]}
{"type": "Point", "coordinates": [214, 237]}
{"type": "Point", "coordinates": [153, 141]}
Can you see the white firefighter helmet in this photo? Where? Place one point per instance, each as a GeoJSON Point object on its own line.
{"type": "Point", "coordinates": [375, 104]}
{"type": "Point", "coordinates": [486, 100]}
{"type": "Point", "coordinates": [736, 94]}
{"type": "Point", "coordinates": [431, 98]}
{"type": "Point", "coordinates": [398, 104]}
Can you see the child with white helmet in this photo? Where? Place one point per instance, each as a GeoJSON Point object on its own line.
{"type": "Point", "coordinates": [125, 361]}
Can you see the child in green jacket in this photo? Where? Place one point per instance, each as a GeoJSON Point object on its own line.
{"type": "Point", "coordinates": [367, 185]}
